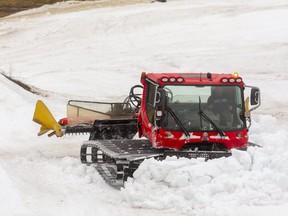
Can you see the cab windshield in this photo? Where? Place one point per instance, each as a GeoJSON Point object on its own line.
{"type": "Point", "coordinates": [186, 106]}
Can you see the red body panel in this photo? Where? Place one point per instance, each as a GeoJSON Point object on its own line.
{"type": "Point", "coordinates": [177, 139]}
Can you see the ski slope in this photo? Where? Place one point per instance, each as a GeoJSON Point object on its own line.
{"type": "Point", "coordinates": [98, 54]}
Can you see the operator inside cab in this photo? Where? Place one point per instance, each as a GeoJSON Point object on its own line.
{"type": "Point", "coordinates": [221, 103]}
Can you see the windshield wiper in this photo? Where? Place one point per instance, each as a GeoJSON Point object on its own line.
{"type": "Point", "coordinates": [178, 122]}
{"type": "Point", "coordinates": [207, 119]}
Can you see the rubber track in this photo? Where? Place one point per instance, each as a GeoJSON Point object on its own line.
{"type": "Point", "coordinates": [116, 160]}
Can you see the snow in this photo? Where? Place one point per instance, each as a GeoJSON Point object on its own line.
{"type": "Point", "coordinates": [258, 177]}
{"type": "Point", "coordinates": [98, 54]}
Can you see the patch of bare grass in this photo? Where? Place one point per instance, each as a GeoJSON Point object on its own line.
{"type": "Point", "coordinates": [26, 87]}
{"type": "Point", "coordinates": [8, 7]}
{"type": "Point", "coordinates": [25, 3]}
{"type": "Point", "coordinates": [70, 6]}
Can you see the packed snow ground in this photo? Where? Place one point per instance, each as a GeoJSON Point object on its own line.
{"type": "Point", "coordinates": [99, 54]}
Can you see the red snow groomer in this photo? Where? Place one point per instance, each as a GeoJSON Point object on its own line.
{"type": "Point", "coordinates": [180, 114]}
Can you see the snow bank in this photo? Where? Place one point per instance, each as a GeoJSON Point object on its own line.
{"type": "Point", "coordinates": [258, 177]}
{"type": "Point", "coordinates": [51, 186]}
{"type": "Point", "coordinates": [10, 199]}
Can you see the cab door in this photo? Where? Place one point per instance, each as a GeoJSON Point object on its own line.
{"type": "Point", "coordinates": [151, 92]}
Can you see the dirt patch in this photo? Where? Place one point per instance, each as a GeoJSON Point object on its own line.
{"type": "Point", "coordinates": [8, 7]}
{"type": "Point", "coordinates": [69, 6]}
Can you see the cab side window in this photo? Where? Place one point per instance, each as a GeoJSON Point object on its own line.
{"type": "Point", "coordinates": [150, 102]}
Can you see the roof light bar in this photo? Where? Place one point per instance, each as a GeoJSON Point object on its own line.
{"type": "Point", "coordinates": [231, 80]}
{"type": "Point", "coordinates": [172, 79]}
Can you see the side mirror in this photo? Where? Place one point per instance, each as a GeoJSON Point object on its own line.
{"type": "Point", "coordinates": [252, 98]}
{"type": "Point", "coordinates": [255, 96]}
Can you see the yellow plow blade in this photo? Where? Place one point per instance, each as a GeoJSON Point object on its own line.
{"type": "Point", "coordinates": [43, 116]}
